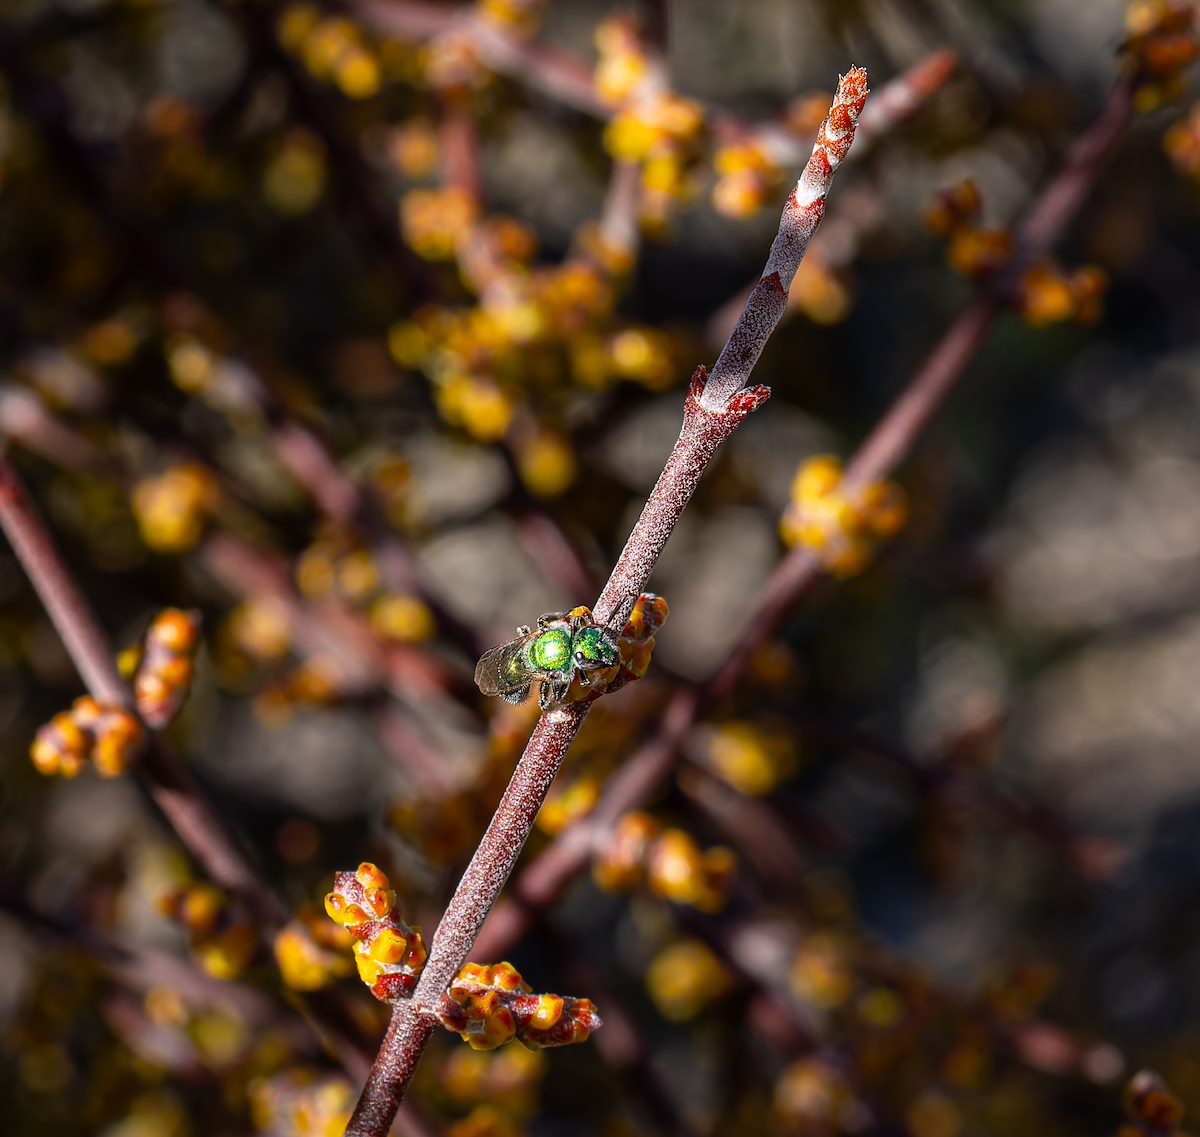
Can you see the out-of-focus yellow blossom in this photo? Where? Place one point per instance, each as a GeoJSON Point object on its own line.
{"type": "Point", "coordinates": [110, 342]}
{"type": "Point", "coordinates": [409, 343]}
{"type": "Point", "coordinates": [511, 16]}
{"type": "Point", "coordinates": [433, 221]}
{"type": "Point", "coordinates": [485, 1121]}
{"type": "Point", "coordinates": [934, 1114]}
{"type": "Point", "coordinates": [643, 356]}
{"type": "Point", "coordinates": [1047, 295]}
{"type": "Point", "coordinates": [172, 507]}
{"type": "Point", "coordinates": [312, 952]}
{"type": "Point", "coordinates": [1162, 43]}
{"type": "Point", "coordinates": [622, 66]}
{"type": "Point", "coordinates": [191, 364]}
{"type": "Point", "coordinates": [747, 174]}
{"type": "Point", "coordinates": [818, 293]}
{"type": "Point", "coordinates": [412, 149]}
{"type": "Point", "coordinates": [507, 1078]}
{"type": "Point", "coordinates": [978, 252]}
{"type": "Point", "coordinates": [822, 971]}
{"type": "Point", "coordinates": [679, 871]}
{"type": "Point", "coordinates": [450, 63]}
{"type": "Point", "coordinates": [1182, 142]}
{"type": "Point", "coordinates": [357, 576]}
{"type": "Point", "coordinates": [685, 978]}
{"type": "Point", "coordinates": [546, 462]}
{"type": "Point", "coordinates": [295, 24]}
{"type": "Point", "coordinates": [842, 531]}
{"type": "Point", "coordinates": [222, 943]}
{"type": "Point", "coordinates": [259, 628]}
{"type": "Point", "coordinates": [659, 124]}
{"type": "Point", "coordinates": [573, 295]}
{"type": "Point", "coordinates": [444, 829]}
{"type": "Point", "coordinates": [880, 1007]}
{"type": "Point", "coordinates": [812, 1097]}
{"type": "Point", "coordinates": [621, 865]}
{"type": "Point", "coordinates": [476, 404]}
{"type": "Point", "coordinates": [401, 617]}
{"type": "Point", "coordinates": [294, 178]}
{"type": "Point", "coordinates": [751, 758]}
{"type": "Point", "coordinates": [953, 208]}
{"type": "Point", "coordinates": [568, 802]}
{"type": "Point", "coordinates": [302, 1102]}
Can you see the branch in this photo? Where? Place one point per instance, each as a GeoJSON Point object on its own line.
{"type": "Point", "coordinates": [712, 411]}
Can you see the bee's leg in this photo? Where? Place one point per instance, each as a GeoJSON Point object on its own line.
{"type": "Point", "coordinates": [580, 617]}
{"type": "Point", "coordinates": [552, 694]}
{"type": "Point", "coordinates": [548, 618]}
{"type": "Point", "coordinates": [524, 629]}
{"type": "Point", "coordinates": [516, 695]}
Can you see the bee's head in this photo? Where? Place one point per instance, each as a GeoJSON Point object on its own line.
{"type": "Point", "coordinates": [594, 647]}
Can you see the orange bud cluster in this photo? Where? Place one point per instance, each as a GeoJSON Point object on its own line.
{"type": "Point", "coordinates": [668, 860]}
{"type": "Point", "coordinates": [636, 645]}
{"type": "Point", "coordinates": [109, 736]}
{"type": "Point", "coordinates": [311, 952]}
{"type": "Point", "coordinates": [1161, 44]}
{"type": "Point", "coordinates": [1152, 1109]}
{"type": "Point", "coordinates": [389, 954]}
{"type": "Point", "coordinates": [1048, 295]}
{"type": "Point", "coordinates": [973, 250]}
{"type": "Point", "coordinates": [841, 530]}
{"type": "Point", "coordinates": [223, 943]}
{"type": "Point", "coordinates": [167, 663]}
{"type": "Point", "coordinates": [489, 1005]}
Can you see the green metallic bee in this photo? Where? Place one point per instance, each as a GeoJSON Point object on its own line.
{"type": "Point", "coordinates": [562, 644]}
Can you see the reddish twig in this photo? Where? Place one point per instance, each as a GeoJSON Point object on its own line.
{"type": "Point", "coordinates": [711, 414]}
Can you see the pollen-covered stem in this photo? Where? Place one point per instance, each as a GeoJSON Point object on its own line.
{"type": "Point", "coordinates": [801, 215]}
{"type": "Point", "coordinates": [707, 422]}
{"type": "Point", "coordinates": [701, 434]}
{"type": "Point", "coordinates": [492, 863]}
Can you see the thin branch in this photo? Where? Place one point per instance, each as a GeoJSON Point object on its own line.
{"type": "Point", "coordinates": [710, 416]}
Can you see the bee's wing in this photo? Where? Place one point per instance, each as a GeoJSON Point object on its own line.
{"type": "Point", "coordinates": [498, 671]}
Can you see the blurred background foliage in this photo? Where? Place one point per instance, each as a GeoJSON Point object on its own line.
{"type": "Point", "coordinates": [362, 330]}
